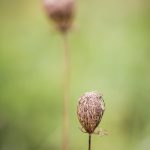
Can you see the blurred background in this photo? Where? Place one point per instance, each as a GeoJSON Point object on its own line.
{"type": "Point", "coordinates": [110, 52]}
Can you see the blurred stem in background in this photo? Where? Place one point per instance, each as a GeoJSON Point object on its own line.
{"type": "Point", "coordinates": [65, 144]}
{"type": "Point", "coordinates": [62, 14]}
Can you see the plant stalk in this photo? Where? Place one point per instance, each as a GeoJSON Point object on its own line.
{"type": "Point", "coordinates": [89, 142]}
{"type": "Point", "coordinates": [66, 89]}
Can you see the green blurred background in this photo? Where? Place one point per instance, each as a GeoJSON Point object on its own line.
{"type": "Point", "coordinates": [110, 52]}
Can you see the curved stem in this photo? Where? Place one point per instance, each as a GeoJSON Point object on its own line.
{"type": "Point", "coordinates": [65, 144]}
{"type": "Point", "coordinates": [89, 142]}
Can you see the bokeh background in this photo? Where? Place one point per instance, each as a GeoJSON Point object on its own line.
{"type": "Point", "coordinates": [110, 52]}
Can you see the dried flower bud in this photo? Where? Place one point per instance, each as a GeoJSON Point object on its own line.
{"type": "Point", "coordinates": [61, 12]}
{"type": "Point", "coordinates": [90, 110]}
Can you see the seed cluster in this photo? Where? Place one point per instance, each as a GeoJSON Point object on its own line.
{"type": "Point", "coordinates": [90, 110]}
{"type": "Point", "coordinates": [61, 12]}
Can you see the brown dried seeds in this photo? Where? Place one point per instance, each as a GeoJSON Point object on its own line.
{"type": "Point", "coordinates": [61, 12]}
{"type": "Point", "coordinates": [90, 110]}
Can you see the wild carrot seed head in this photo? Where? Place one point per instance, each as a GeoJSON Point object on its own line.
{"type": "Point", "coordinates": [61, 12]}
{"type": "Point", "coordinates": [90, 110]}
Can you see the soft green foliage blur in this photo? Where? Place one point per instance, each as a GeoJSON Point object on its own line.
{"type": "Point", "coordinates": [110, 52]}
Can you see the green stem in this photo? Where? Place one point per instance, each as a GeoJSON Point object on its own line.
{"type": "Point", "coordinates": [89, 142]}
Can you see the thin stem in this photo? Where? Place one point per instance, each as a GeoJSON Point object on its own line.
{"type": "Point", "coordinates": [89, 142]}
{"type": "Point", "coordinates": [65, 144]}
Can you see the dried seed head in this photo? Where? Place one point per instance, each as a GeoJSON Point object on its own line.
{"type": "Point", "coordinates": [61, 12]}
{"type": "Point", "coordinates": [90, 110]}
